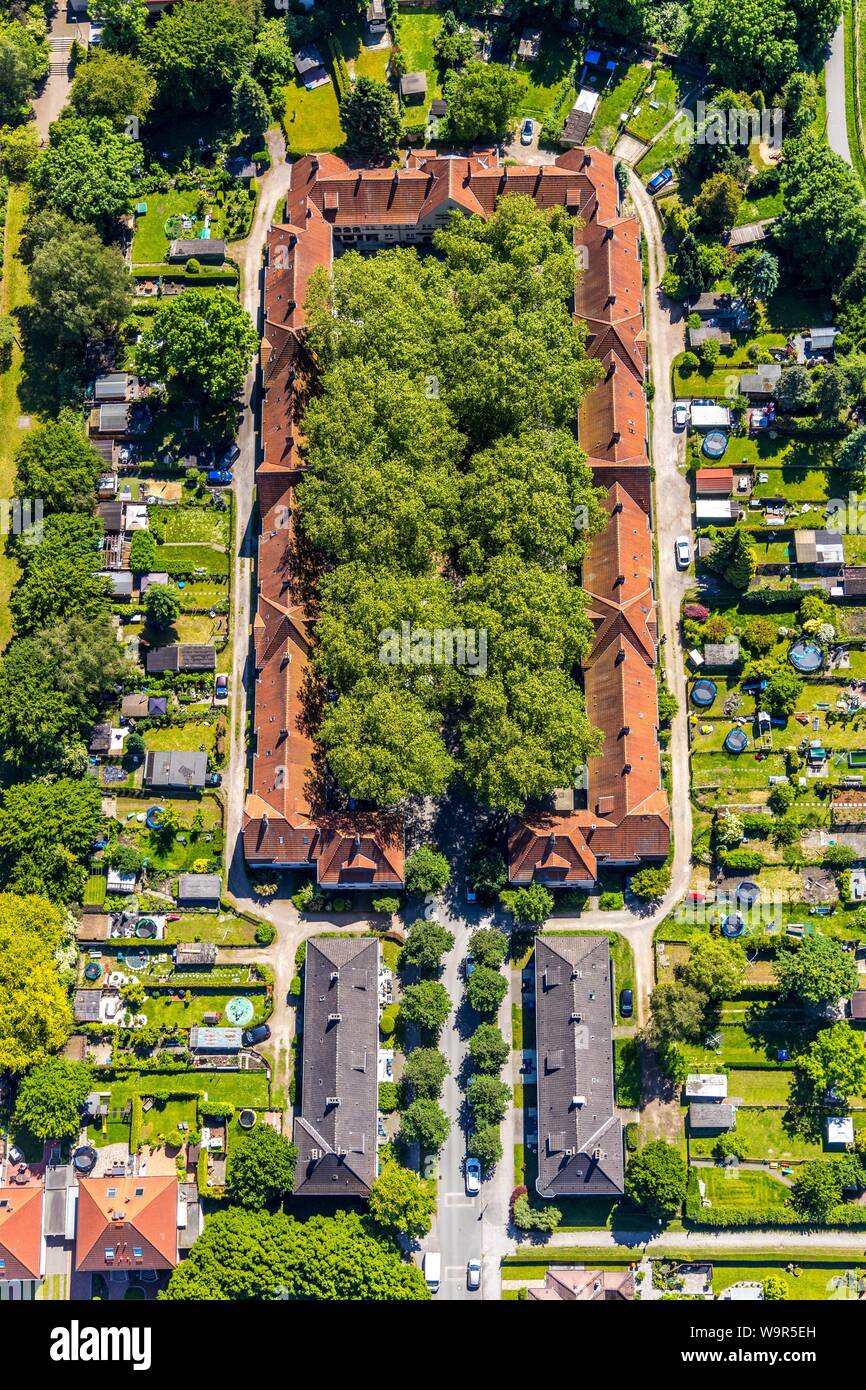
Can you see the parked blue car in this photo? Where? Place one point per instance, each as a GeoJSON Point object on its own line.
{"type": "Point", "coordinates": [659, 180]}
{"type": "Point", "coordinates": [220, 476]}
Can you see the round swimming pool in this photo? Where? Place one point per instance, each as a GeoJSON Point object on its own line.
{"type": "Point", "coordinates": [748, 892]}
{"type": "Point", "coordinates": [806, 656]}
{"type": "Point", "coordinates": [736, 741]}
{"type": "Point", "coordinates": [239, 1011]}
{"type": "Point", "coordinates": [704, 692]}
{"type": "Point", "coordinates": [715, 443]}
{"type": "Point", "coordinates": [734, 925]}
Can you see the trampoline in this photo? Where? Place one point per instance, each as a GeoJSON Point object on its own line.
{"type": "Point", "coordinates": [748, 893]}
{"type": "Point", "coordinates": [246, 1119]}
{"type": "Point", "coordinates": [715, 443]}
{"type": "Point", "coordinates": [145, 927]}
{"type": "Point", "coordinates": [734, 925]}
{"type": "Point", "coordinates": [704, 693]}
{"type": "Point", "coordinates": [84, 1159]}
{"type": "Point", "coordinates": [736, 741]}
{"type": "Point", "coordinates": [806, 656]}
{"type": "Point", "coordinates": [239, 1011]}
{"type": "Point", "coordinates": [93, 970]}
{"type": "Point", "coordinates": [150, 819]}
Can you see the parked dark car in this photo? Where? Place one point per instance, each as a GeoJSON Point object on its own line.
{"type": "Point", "coordinates": [251, 1037]}
{"type": "Point", "coordinates": [626, 1003]}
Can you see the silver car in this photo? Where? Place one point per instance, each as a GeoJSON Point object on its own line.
{"type": "Point", "coordinates": [473, 1274]}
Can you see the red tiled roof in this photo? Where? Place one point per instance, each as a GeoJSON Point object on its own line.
{"type": "Point", "coordinates": [279, 825]}
{"type": "Point", "coordinates": [21, 1232]}
{"type": "Point", "coordinates": [550, 849]}
{"type": "Point", "coordinates": [715, 481]}
{"type": "Point", "coordinates": [124, 1215]}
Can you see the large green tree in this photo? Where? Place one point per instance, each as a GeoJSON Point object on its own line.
{"type": "Point", "coordinates": [655, 1178]}
{"type": "Point", "coordinates": [256, 1255]}
{"type": "Point", "coordinates": [123, 23]}
{"type": "Point", "coordinates": [749, 45]}
{"type": "Point", "coordinates": [368, 115]}
{"type": "Point", "coordinates": [46, 830]}
{"type": "Point", "coordinates": [261, 1168]}
{"type": "Point", "coordinates": [483, 100]}
{"type": "Point", "coordinates": [822, 206]}
{"type": "Point", "coordinates": [425, 946]}
{"type": "Point", "coordinates": [57, 464]}
{"type": "Point", "coordinates": [198, 53]}
{"type": "Point", "coordinates": [87, 171]}
{"type": "Point", "coordinates": [115, 86]}
{"type": "Point", "coordinates": [201, 344]}
{"type": "Point", "coordinates": [35, 1017]}
{"type": "Point", "coordinates": [817, 971]}
{"type": "Point", "coordinates": [51, 1096]}
{"type": "Point", "coordinates": [836, 1061]}
{"type": "Point", "coordinates": [401, 1202]}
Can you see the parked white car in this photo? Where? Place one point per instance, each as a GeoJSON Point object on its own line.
{"type": "Point", "coordinates": [473, 1177]}
{"type": "Point", "coordinates": [683, 552]}
{"type": "Point", "coordinates": [473, 1274]}
{"type": "Point", "coordinates": [681, 415]}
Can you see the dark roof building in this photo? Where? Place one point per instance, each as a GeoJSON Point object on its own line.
{"type": "Point", "coordinates": [208, 250]}
{"type": "Point", "coordinates": [858, 1005]}
{"type": "Point", "coordinates": [580, 1149]}
{"type": "Point", "coordinates": [708, 1118]}
{"type": "Point", "coordinates": [175, 769]}
{"type": "Point", "coordinates": [100, 739]}
{"type": "Point", "coordinates": [413, 86]}
{"type": "Point", "coordinates": [199, 888]}
{"type": "Point", "coordinates": [189, 656]}
{"type": "Point", "coordinates": [336, 1130]}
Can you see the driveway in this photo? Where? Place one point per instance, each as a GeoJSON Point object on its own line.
{"type": "Point", "coordinates": [834, 74]}
{"type": "Point", "coordinates": [55, 91]}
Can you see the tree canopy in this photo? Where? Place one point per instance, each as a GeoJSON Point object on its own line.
{"type": "Point", "coordinates": [35, 1018]}
{"type": "Point", "coordinates": [256, 1255]}
{"type": "Point", "coordinates": [655, 1178]}
{"type": "Point", "coordinates": [46, 830]}
{"type": "Point", "coordinates": [368, 115]}
{"type": "Point", "coordinates": [198, 53]}
{"type": "Point", "coordinates": [401, 1202]}
{"type": "Point", "coordinates": [51, 1097]}
{"type": "Point", "coordinates": [261, 1168]}
{"type": "Point", "coordinates": [202, 343]}
{"type": "Point", "coordinates": [483, 100]}
{"type": "Point", "coordinates": [817, 971]}
{"type": "Point", "coordinates": [87, 171]}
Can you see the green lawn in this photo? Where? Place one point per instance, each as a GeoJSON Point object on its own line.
{"type": "Point", "coordinates": [617, 100]}
{"type": "Point", "coordinates": [186, 738]}
{"type": "Point", "coordinates": [550, 68]}
{"type": "Point", "coordinates": [186, 524]}
{"type": "Point", "coordinates": [162, 1008]}
{"type": "Point", "coordinates": [207, 806]}
{"type": "Point", "coordinates": [742, 1187]}
{"type": "Point", "coordinates": [221, 928]}
{"type": "Point", "coordinates": [811, 1283]}
{"type": "Point", "coordinates": [667, 93]}
{"type": "Point", "coordinates": [626, 1072]}
{"type": "Point", "coordinates": [766, 1137]}
{"type": "Point", "coordinates": [418, 29]}
{"type": "Point", "coordinates": [312, 119]}
{"type": "Point", "coordinates": [150, 243]}
{"type": "Point", "coordinates": [239, 1087]}
{"type": "Point", "coordinates": [176, 555]}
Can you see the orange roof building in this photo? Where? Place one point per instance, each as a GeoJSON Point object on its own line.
{"type": "Point", "coordinates": [126, 1223]}
{"type": "Point", "coordinates": [627, 816]}
{"type": "Point", "coordinates": [21, 1248]}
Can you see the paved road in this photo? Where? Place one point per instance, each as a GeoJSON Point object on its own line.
{"type": "Point", "coordinates": [52, 98]}
{"type": "Point", "coordinates": [458, 1232]}
{"type": "Point", "coordinates": [834, 74]}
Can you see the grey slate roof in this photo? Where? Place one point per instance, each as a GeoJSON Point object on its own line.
{"type": "Point", "coordinates": [336, 1129]}
{"type": "Point", "coordinates": [580, 1151]}
{"type": "Point", "coordinates": [174, 769]}
{"type": "Point", "coordinates": [188, 656]}
{"type": "Point", "coordinates": [198, 888]}
{"type": "Point", "coordinates": [706, 1115]}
